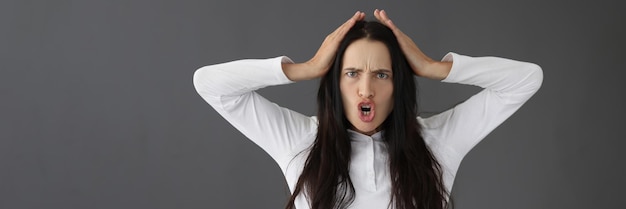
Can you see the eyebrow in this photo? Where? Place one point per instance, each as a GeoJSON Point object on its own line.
{"type": "Point", "coordinates": [373, 71]}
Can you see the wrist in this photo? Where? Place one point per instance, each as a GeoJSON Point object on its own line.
{"type": "Point", "coordinates": [438, 70]}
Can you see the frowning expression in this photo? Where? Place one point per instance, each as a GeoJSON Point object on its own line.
{"type": "Point", "coordinates": [366, 85]}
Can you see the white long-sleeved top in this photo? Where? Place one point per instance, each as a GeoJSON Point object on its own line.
{"type": "Point", "coordinates": [283, 133]}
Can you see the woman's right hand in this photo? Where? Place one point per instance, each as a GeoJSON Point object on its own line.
{"type": "Point", "coordinates": [323, 59]}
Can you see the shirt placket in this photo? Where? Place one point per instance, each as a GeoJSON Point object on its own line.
{"type": "Point", "coordinates": [371, 173]}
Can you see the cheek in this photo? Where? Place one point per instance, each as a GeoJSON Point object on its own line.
{"type": "Point", "coordinates": [343, 90]}
{"type": "Point", "coordinates": [346, 89]}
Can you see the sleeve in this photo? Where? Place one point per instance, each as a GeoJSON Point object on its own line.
{"type": "Point", "coordinates": [230, 89]}
{"type": "Point", "coordinates": [507, 84]}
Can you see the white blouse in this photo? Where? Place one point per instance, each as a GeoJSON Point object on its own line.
{"type": "Point", "coordinates": [283, 133]}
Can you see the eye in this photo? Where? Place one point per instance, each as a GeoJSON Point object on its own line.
{"type": "Point", "coordinates": [351, 74]}
{"type": "Point", "coordinates": [382, 76]}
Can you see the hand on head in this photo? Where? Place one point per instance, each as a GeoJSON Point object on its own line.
{"type": "Point", "coordinates": [325, 55]}
{"type": "Point", "coordinates": [321, 62]}
{"type": "Point", "coordinates": [323, 59]}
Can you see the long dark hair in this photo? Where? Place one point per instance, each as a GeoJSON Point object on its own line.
{"type": "Point", "coordinates": [416, 176]}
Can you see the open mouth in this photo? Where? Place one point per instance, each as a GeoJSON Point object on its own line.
{"type": "Point", "coordinates": [365, 109]}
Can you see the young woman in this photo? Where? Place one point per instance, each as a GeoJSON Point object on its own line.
{"type": "Point", "coordinates": [367, 147]}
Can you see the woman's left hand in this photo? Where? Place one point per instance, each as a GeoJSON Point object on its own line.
{"type": "Point", "coordinates": [421, 64]}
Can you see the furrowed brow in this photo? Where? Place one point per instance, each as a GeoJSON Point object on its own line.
{"type": "Point", "coordinates": [352, 69]}
{"type": "Point", "coordinates": [382, 71]}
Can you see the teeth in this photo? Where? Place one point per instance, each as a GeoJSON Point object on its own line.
{"type": "Point", "coordinates": [366, 108]}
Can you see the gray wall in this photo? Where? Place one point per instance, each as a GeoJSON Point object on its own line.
{"type": "Point", "coordinates": [97, 107]}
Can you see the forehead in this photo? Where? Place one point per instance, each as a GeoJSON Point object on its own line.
{"type": "Point", "coordinates": [365, 54]}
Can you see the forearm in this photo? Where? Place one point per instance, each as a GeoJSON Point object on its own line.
{"type": "Point", "coordinates": [237, 77]}
{"type": "Point", "coordinates": [511, 79]}
{"type": "Point", "coordinates": [437, 70]}
{"type": "Point", "coordinates": [298, 71]}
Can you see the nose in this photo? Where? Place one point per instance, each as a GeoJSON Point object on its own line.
{"type": "Point", "coordinates": [365, 88]}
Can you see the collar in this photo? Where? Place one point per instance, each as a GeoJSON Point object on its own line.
{"type": "Point", "coordinates": [356, 136]}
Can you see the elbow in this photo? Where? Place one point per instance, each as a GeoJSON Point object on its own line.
{"type": "Point", "coordinates": [197, 77]}
{"type": "Point", "coordinates": [201, 81]}
{"type": "Point", "coordinates": [536, 76]}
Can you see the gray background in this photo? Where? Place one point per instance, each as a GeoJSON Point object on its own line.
{"type": "Point", "coordinates": [98, 108]}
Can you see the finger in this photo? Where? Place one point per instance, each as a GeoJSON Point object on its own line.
{"type": "Point", "coordinates": [345, 27]}
{"type": "Point", "coordinates": [356, 17]}
{"type": "Point", "coordinates": [346, 24]}
{"type": "Point", "coordinates": [361, 16]}
{"type": "Point", "coordinates": [383, 19]}
{"type": "Point", "coordinates": [378, 15]}
{"type": "Point", "coordinates": [387, 20]}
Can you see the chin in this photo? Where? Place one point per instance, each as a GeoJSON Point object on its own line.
{"type": "Point", "coordinates": [366, 129]}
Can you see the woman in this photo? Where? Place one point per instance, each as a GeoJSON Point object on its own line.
{"type": "Point", "coordinates": [366, 148]}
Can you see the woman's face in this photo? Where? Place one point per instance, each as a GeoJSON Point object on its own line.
{"type": "Point", "coordinates": [366, 85]}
